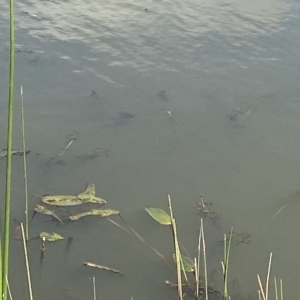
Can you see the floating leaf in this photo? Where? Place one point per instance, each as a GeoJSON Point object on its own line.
{"type": "Point", "coordinates": [3, 152]}
{"type": "Point", "coordinates": [95, 212]}
{"type": "Point", "coordinates": [43, 210]}
{"type": "Point", "coordinates": [104, 212]}
{"type": "Point", "coordinates": [187, 263]}
{"type": "Point", "coordinates": [159, 215]}
{"type": "Point", "coordinates": [51, 237]}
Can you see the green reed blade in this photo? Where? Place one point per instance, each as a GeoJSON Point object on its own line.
{"type": "Point", "coordinates": [9, 149]}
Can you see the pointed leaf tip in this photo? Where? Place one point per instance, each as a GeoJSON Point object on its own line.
{"type": "Point", "coordinates": [159, 215]}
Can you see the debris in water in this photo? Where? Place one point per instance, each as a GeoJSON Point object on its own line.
{"type": "Point", "coordinates": [92, 265]}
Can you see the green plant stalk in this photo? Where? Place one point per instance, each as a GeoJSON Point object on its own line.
{"type": "Point", "coordinates": [1, 265]}
{"type": "Point", "coordinates": [5, 257]}
{"type": "Point", "coordinates": [25, 167]}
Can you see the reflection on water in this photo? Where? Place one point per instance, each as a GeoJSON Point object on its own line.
{"type": "Point", "coordinates": [136, 34]}
{"type": "Point", "coordinates": [91, 20]}
{"type": "Point", "coordinates": [146, 99]}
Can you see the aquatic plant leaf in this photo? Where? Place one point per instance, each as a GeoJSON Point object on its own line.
{"type": "Point", "coordinates": [87, 196]}
{"type": "Point", "coordinates": [61, 200]}
{"type": "Point", "coordinates": [51, 237]}
{"type": "Point", "coordinates": [159, 215]}
{"type": "Point", "coordinates": [3, 152]}
{"type": "Point", "coordinates": [43, 210]}
{"type": "Point", "coordinates": [187, 264]}
{"type": "Point", "coordinates": [104, 212]}
{"type": "Point", "coordinates": [95, 212]}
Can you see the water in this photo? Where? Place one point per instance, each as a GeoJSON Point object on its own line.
{"type": "Point", "coordinates": [107, 73]}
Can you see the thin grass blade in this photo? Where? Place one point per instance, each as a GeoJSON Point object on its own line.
{"type": "Point", "coordinates": [5, 258]}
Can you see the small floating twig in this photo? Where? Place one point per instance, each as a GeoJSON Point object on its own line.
{"type": "Point", "coordinates": [92, 265]}
{"type": "Point", "coordinates": [248, 112]}
{"type": "Point", "coordinates": [282, 207]}
{"type": "Point", "coordinates": [57, 159]}
{"type": "Point", "coordinates": [68, 146]}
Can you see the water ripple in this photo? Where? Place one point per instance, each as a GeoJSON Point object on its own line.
{"type": "Point", "coordinates": [144, 35]}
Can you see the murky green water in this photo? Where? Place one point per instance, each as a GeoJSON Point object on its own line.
{"type": "Point", "coordinates": [108, 73]}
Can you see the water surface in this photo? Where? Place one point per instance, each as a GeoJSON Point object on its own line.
{"type": "Point", "coordinates": [108, 73]}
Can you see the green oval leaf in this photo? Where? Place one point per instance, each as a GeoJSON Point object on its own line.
{"type": "Point", "coordinates": [187, 264]}
{"type": "Point", "coordinates": [51, 237]}
{"type": "Point", "coordinates": [159, 215]}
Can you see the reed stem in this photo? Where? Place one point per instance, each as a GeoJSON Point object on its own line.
{"type": "Point", "coordinates": [25, 167]}
{"type": "Point", "coordinates": [5, 258]}
{"type": "Point", "coordinates": [27, 262]}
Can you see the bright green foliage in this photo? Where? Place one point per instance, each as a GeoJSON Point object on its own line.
{"type": "Point", "coordinates": [159, 215]}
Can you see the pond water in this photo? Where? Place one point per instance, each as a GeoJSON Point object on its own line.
{"type": "Point", "coordinates": [185, 98]}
